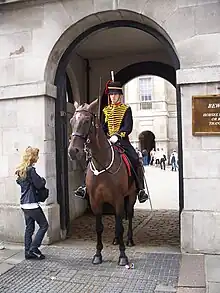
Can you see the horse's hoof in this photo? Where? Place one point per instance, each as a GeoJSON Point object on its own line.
{"type": "Point", "coordinates": [130, 243]}
{"type": "Point", "coordinates": [97, 259]}
{"type": "Point", "coordinates": [123, 261]}
{"type": "Point", "coordinates": [115, 241]}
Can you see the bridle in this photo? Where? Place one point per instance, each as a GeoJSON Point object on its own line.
{"type": "Point", "coordinates": [80, 135]}
{"type": "Point", "coordinates": [87, 141]}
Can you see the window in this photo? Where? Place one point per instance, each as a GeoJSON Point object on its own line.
{"type": "Point", "coordinates": [145, 92]}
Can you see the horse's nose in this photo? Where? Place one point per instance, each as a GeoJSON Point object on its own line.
{"type": "Point", "coordinates": [74, 152]}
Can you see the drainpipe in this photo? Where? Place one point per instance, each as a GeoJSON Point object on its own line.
{"type": "Point", "coordinates": [87, 81]}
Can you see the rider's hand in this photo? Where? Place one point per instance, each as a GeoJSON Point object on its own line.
{"type": "Point", "coordinates": [113, 138]}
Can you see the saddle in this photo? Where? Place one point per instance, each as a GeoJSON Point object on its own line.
{"type": "Point", "coordinates": [125, 158]}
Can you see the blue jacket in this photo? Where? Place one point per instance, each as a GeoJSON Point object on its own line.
{"type": "Point", "coordinates": [29, 185]}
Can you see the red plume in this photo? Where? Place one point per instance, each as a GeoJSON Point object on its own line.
{"type": "Point", "coordinates": [106, 86]}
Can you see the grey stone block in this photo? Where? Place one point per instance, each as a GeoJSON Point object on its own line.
{"type": "Point", "coordinates": [213, 288]}
{"type": "Point", "coordinates": [192, 272]}
{"type": "Point", "coordinates": [191, 290]}
{"type": "Point", "coordinates": [4, 267]}
{"type": "Point", "coordinates": [212, 263]}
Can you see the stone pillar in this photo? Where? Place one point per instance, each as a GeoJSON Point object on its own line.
{"type": "Point", "coordinates": [201, 156]}
{"type": "Point", "coordinates": [27, 117]}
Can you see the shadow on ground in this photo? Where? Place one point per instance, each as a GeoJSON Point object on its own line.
{"type": "Point", "coordinates": [161, 230]}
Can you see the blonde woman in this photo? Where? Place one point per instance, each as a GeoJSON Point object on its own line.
{"type": "Point", "coordinates": [30, 182]}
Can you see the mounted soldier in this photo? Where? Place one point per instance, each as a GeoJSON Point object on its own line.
{"type": "Point", "coordinates": [117, 123]}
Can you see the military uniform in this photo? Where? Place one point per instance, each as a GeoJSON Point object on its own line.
{"type": "Point", "coordinates": [117, 120]}
{"type": "Point", "coordinates": [117, 123]}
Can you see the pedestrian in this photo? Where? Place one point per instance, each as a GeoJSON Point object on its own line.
{"type": "Point", "coordinates": [174, 160]}
{"type": "Point", "coordinates": [139, 155]}
{"type": "Point", "coordinates": [145, 157]}
{"type": "Point", "coordinates": [163, 159]}
{"type": "Point", "coordinates": [152, 156]}
{"type": "Point", "coordinates": [30, 182]}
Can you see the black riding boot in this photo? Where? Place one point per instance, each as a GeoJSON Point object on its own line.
{"type": "Point", "coordinates": [142, 195]}
{"type": "Point", "coordinates": [81, 192]}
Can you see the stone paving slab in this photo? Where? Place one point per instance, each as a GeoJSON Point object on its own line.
{"type": "Point", "coordinates": [4, 267]}
{"type": "Point", "coordinates": [70, 270]}
{"type": "Point", "coordinates": [191, 290]}
{"type": "Point", "coordinates": [212, 268]}
{"type": "Point", "coordinates": [213, 287]}
{"type": "Point", "coordinates": [195, 265]}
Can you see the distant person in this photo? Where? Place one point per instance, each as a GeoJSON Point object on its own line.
{"type": "Point", "coordinates": [163, 159]}
{"type": "Point", "coordinates": [157, 157]}
{"type": "Point", "coordinates": [174, 160]}
{"type": "Point", "coordinates": [139, 155]}
{"type": "Point", "coordinates": [152, 156]}
{"type": "Point", "coordinates": [145, 157]}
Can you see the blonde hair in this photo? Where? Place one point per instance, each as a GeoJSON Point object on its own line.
{"type": "Point", "coordinates": [30, 157]}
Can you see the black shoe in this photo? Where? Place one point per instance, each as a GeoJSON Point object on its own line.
{"type": "Point", "coordinates": [30, 256]}
{"type": "Point", "coordinates": [36, 254]}
{"type": "Point", "coordinates": [81, 192]}
{"type": "Point", "coordinates": [142, 196]}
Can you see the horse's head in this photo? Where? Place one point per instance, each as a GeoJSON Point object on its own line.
{"type": "Point", "coordinates": [82, 123]}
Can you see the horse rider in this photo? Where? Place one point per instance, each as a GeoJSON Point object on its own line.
{"type": "Point", "coordinates": [117, 123]}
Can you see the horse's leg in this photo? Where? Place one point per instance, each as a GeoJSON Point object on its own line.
{"type": "Point", "coordinates": [115, 240]}
{"type": "Point", "coordinates": [123, 260]}
{"type": "Point", "coordinates": [130, 211]}
{"type": "Point", "coordinates": [97, 259]}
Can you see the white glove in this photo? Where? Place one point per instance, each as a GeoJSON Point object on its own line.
{"type": "Point", "coordinates": [113, 139]}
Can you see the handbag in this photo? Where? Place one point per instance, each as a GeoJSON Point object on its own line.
{"type": "Point", "coordinates": [42, 194]}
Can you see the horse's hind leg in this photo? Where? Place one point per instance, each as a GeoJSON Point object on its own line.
{"type": "Point", "coordinates": [123, 260]}
{"type": "Point", "coordinates": [130, 241]}
{"type": "Point", "coordinates": [97, 259]}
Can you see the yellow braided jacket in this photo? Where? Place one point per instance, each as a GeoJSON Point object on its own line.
{"type": "Point", "coordinates": [117, 120]}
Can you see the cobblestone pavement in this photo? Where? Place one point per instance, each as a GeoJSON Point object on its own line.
{"type": "Point", "coordinates": [161, 230]}
{"type": "Point", "coordinates": [68, 267]}
{"type": "Point", "coordinates": [70, 270]}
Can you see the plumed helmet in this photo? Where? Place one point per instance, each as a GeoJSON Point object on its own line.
{"type": "Point", "coordinates": [113, 87]}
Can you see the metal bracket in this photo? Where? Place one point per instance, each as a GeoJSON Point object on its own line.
{"type": "Point", "coordinates": [62, 113]}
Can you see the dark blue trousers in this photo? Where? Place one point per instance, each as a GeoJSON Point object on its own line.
{"type": "Point", "coordinates": [31, 216]}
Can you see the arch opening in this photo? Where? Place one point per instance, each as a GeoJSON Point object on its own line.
{"type": "Point", "coordinates": [124, 73]}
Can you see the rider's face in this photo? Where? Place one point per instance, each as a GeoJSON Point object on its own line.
{"type": "Point", "coordinates": [115, 98]}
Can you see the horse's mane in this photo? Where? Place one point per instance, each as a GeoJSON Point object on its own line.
{"type": "Point", "coordinates": [89, 107]}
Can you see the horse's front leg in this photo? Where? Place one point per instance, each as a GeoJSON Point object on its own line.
{"type": "Point", "coordinates": [97, 259]}
{"type": "Point", "coordinates": [123, 260]}
{"type": "Point", "coordinates": [115, 240]}
{"type": "Point", "coordinates": [130, 241]}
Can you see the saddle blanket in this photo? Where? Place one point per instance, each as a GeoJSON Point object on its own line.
{"type": "Point", "coordinates": [124, 158]}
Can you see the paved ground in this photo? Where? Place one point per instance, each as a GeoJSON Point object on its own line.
{"type": "Point", "coordinates": [163, 187]}
{"type": "Point", "coordinates": [70, 270]}
{"type": "Point", "coordinates": [161, 230]}
{"type": "Point", "coordinates": [156, 257]}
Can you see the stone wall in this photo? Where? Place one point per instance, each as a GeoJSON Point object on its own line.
{"type": "Point", "coordinates": [35, 36]}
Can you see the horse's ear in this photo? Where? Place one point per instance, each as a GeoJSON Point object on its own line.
{"type": "Point", "coordinates": [76, 104]}
{"type": "Point", "coordinates": [93, 107]}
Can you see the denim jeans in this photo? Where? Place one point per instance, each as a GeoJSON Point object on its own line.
{"type": "Point", "coordinates": [31, 216]}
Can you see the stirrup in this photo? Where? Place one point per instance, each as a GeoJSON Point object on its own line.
{"type": "Point", "coordinates": [80, 192]}
{"type": "Point", "coordinates": [142, 196]}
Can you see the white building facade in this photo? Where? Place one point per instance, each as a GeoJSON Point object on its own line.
{"type": "Point", "coordinates": [153, 103]}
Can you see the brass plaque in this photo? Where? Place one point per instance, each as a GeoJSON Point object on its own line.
{"type": "Point", "coordinates": [206, 115]}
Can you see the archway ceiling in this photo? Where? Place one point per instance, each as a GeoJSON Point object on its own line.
{"type": "Point", "coordinates": [117, 41]}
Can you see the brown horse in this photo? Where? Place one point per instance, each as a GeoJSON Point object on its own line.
{"type": "Point", "coordinates": [107, 179]}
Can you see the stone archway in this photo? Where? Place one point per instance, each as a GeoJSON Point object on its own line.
{"type": "Point", "coordinates": [147, 140]}
{"type": "Point", "coordinates": [61, 124]}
